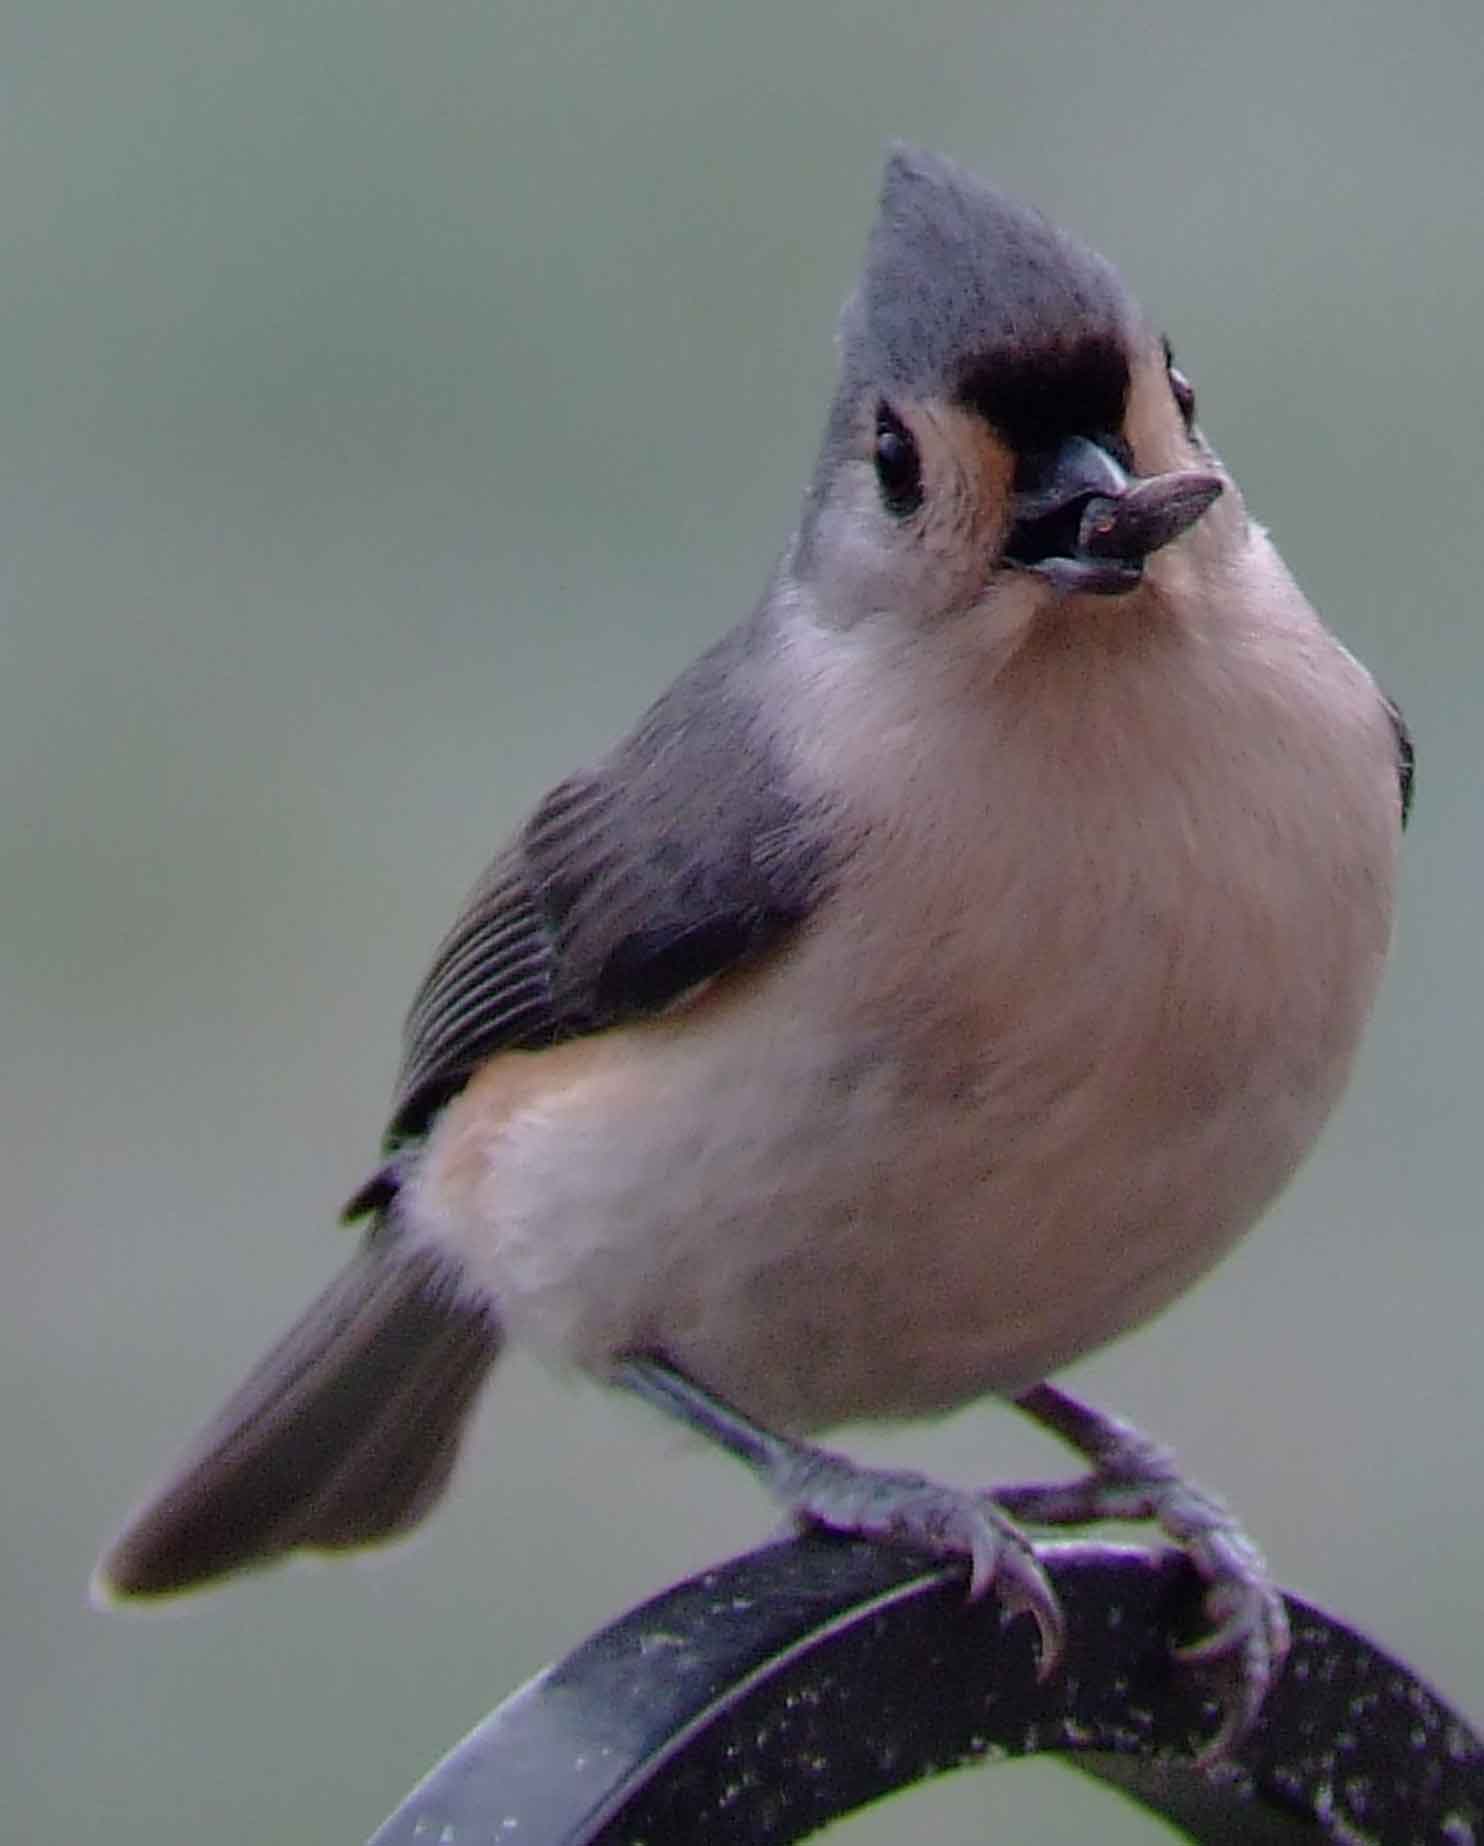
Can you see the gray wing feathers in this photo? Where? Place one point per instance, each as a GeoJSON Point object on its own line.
{"type": "Point", "coordinates": [682, 854]}
{"type": "Point", "coordinates": [490, 986]}
{"type": "Point", "coordinates": [1406, 756]}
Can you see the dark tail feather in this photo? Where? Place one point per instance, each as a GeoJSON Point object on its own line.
{"type": "Point", "coordinates": [345, 1434]}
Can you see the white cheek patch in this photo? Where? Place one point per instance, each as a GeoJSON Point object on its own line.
{"type": "Point", "coordinates": [920, 567]}
{"type": "Point", "coordinates": [862, 566]}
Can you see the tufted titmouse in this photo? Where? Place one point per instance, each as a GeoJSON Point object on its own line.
{"type": "Point", "coordinates": [945, 972]}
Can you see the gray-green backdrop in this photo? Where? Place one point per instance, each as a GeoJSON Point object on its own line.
{"type": "Point", "coordinates": [391, 398]}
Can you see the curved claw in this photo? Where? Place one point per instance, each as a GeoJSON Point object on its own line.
{"type": "Point", "coordinates": [1026, 1590]}
{"type": "Point", "coordinates": [1255, 1615]}
{"type": "Point", "coordinates": [1251, 1633]}
{"type": "Point", "coordinates": [1258, 1658]}
{"type": "Point", "coordinates": [1251, 1629]}
{"type": "Point", "coordinates": [1134, 1477]}
{"type": "Point", "coordinates": [982, 1540]}
{"type": "Point", "coordinates": [820, 1488]}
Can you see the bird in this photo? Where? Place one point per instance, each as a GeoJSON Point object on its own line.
{"type": "Point", "coordinates": [949, 967]}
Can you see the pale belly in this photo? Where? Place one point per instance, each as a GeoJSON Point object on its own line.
{"type": "Point", "coordinates": [824, 1215]}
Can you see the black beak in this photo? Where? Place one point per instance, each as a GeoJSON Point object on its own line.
{"type": "Point", "coordinates": [1084, 524]}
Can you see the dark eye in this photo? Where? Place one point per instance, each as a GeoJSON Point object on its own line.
{"type": "Point", "coordinates": [898, 465]}
{"type": "Point", "coordinates": [1180, 387]}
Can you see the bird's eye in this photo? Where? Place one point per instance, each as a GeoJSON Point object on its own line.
{"type": "Point", "coordinates": [898, 465]}
{"type": "Point", "coordinates": [1181, 388]}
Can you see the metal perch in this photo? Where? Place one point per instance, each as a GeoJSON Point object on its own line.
{"type": "Point", "coordinates": [787, 1687]}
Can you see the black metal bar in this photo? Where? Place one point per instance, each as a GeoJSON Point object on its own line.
{"type": "Point", "coordinates": [785, 1688]}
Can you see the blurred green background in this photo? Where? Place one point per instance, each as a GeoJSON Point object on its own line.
{"type": "Point", "coordinates": [393, 397]}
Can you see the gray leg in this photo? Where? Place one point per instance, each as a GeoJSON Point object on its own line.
{"type": "Point", "coordinates": [1134, 1478]}
{"type": "Point", "coordinates": [820, 1488]}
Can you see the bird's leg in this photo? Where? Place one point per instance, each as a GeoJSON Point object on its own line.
{"type": "Point", "coordinates": [819, 1488]}
{"type": "Point", "coordinates": [1135, 1478]}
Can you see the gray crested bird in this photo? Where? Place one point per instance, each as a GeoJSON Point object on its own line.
{"type": "Point", "coordinates": [951, 965]}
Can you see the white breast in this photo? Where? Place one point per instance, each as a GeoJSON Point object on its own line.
{"type": "Point", "coordinates": [1113, 921]}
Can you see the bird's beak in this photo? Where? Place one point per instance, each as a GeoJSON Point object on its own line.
{"type": "Point", "coordinates": [1083, 524]}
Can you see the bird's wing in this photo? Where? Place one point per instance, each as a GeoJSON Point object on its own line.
{"type": "Point", "coordinates": [1406, 756]}
{"type": "Point", "coordinates": [679, 856]}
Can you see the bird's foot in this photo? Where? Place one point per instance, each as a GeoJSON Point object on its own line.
{"type": "Point", "coordinates": [819, 1488]}
{"type": "Point", "coordinates": [1134, 1478]}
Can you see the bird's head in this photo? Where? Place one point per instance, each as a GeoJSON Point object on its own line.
{"type": "Point", "coordinates": [1008, 432]}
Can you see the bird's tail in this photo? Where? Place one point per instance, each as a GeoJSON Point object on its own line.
{"type": "Point", "coordinates": [345, 1434]}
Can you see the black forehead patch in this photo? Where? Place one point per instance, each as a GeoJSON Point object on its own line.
{"type": "Point", "coordinates": [974, 297]}
{"type": "Point", "coordinates": [1037, 399]}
